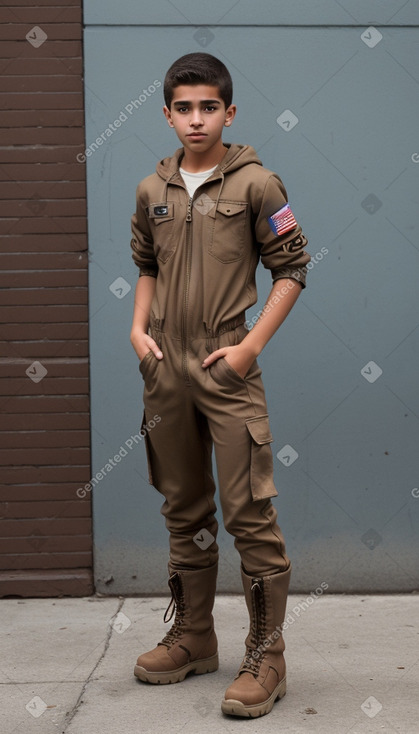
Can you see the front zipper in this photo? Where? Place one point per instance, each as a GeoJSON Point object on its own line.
{"type": "Point", "coordinates": [184, 325]}
{"type": "Point", "coordinates": [186, 291]}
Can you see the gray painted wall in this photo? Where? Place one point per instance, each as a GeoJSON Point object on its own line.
{"type": "Point", "coordinates": [341, 373]}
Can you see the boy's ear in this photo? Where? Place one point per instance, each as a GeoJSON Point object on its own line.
{"type": "Point", "coordinates": [168, 116]}
{"type": "Point", "coordinates": [230, 115]}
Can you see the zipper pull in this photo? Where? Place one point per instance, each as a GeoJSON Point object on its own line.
{"type": "Point", "coordinates": [189, 213]}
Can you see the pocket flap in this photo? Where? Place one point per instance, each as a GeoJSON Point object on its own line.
{"type": "Point", "coordinates": [259, 429]}
{"type": "Point", "coordinates": [231, 208]}
{"type": "Point", "coordinates": [161, 211]}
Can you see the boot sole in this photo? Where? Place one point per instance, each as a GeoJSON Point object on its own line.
{"type": "Point", "coordinates": [238, 708]}
{"type": "Point", "coordinates": [198, 667]}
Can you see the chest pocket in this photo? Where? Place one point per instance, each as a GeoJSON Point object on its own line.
{"type": "Point", "coordinates": [227, 230]}
{"type": "Point", "coordinates": [162, 221]}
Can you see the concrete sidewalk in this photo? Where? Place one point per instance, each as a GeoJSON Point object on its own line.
{"type": "Point", "coordinates": [67, 666]}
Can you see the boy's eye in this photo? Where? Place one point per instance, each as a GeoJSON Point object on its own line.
{"type": "Point", "coordinates": [207, 108]}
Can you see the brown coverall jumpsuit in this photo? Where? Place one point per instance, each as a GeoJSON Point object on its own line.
{"type": "Point", "coordinates": [204, 252]}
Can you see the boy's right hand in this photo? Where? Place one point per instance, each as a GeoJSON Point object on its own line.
{"type": "Point", "coordinates": [144, 343]}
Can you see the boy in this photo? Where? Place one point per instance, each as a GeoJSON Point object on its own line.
{"type": "Point", "coordinates": [202, 222]}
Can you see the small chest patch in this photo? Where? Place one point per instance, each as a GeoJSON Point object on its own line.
{"type": "Point", "coordinates": [161, 211]}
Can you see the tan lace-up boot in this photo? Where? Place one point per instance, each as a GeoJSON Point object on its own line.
{"type": "Point", "coordinates": [261, 678]}
{"type": "Point", "coordinates": [190, 646]}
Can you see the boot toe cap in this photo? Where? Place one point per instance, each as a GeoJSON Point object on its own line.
{"type": "Point", "coordinates": [156, 660]}
{"type": "Point", "coordinates": [247, 690]}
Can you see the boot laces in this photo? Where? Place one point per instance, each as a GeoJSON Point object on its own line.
{"type": "Point", "coordinates": [251, 661]}
{"type": "Point", "coordinates": [177, 602]}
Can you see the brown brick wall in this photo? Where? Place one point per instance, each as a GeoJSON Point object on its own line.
{"type": "Point", "coordinates": [45, 529]}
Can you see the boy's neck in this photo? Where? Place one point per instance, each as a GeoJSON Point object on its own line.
{"type": "Point", "coordinates": [196, 162]}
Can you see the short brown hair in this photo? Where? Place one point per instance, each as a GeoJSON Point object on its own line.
{"type": "Point", "coordinates": [198, 68]}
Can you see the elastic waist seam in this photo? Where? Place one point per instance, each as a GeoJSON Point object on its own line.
{"type": "Point", "coordinates": [226, 326]}
{"type": "Point", "coordinates": [205, 332]}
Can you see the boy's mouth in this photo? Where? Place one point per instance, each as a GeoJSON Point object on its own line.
{"type": "Point", "coordinates": [197, 135]}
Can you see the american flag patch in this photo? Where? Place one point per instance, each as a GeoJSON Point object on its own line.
{"type": "Point", "coordinates": [282, 221]}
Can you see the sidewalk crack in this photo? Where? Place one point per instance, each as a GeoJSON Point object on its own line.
{"type": "Point", "coordinates": [71, 714]}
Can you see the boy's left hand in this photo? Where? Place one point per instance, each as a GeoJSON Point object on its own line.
{"type": "Point", "coordinates": [238, 358]}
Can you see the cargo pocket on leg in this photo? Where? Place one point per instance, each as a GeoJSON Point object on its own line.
{"type": "Point", "coordinates": [261, 461]}
{"type": "Point", "coordinates": [147, 450]}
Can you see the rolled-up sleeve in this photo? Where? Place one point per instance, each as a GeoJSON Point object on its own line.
{"type": "Point", "coordinates": [142, 241]}
{"type": "Point", "coordinates": [284, 254]}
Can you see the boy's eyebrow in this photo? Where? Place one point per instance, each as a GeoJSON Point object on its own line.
{"type": "Point", "coordinates": [202, 101]}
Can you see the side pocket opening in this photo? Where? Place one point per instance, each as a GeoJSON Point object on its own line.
{"type": "Point", "coordinates": [147, 450]}
{"type": "Point", "coordinates": [143, 362]}
{"type": "Point", "coordinates": [261, 462]}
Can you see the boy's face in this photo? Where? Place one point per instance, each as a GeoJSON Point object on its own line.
{"type": "Point", "coordinates": [198, 115]}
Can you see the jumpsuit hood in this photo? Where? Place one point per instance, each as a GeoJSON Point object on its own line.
{"type": "Point", "coordinates": [236, 157]}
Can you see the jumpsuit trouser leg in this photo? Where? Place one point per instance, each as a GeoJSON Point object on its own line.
{"type": "Point", "coordinates": [179, 451]}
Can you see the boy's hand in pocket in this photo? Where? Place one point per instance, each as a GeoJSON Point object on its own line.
{"type": "Point", "coordinates": [238, 357]}
{"type": "Point", "coordinates": [143, 343]}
